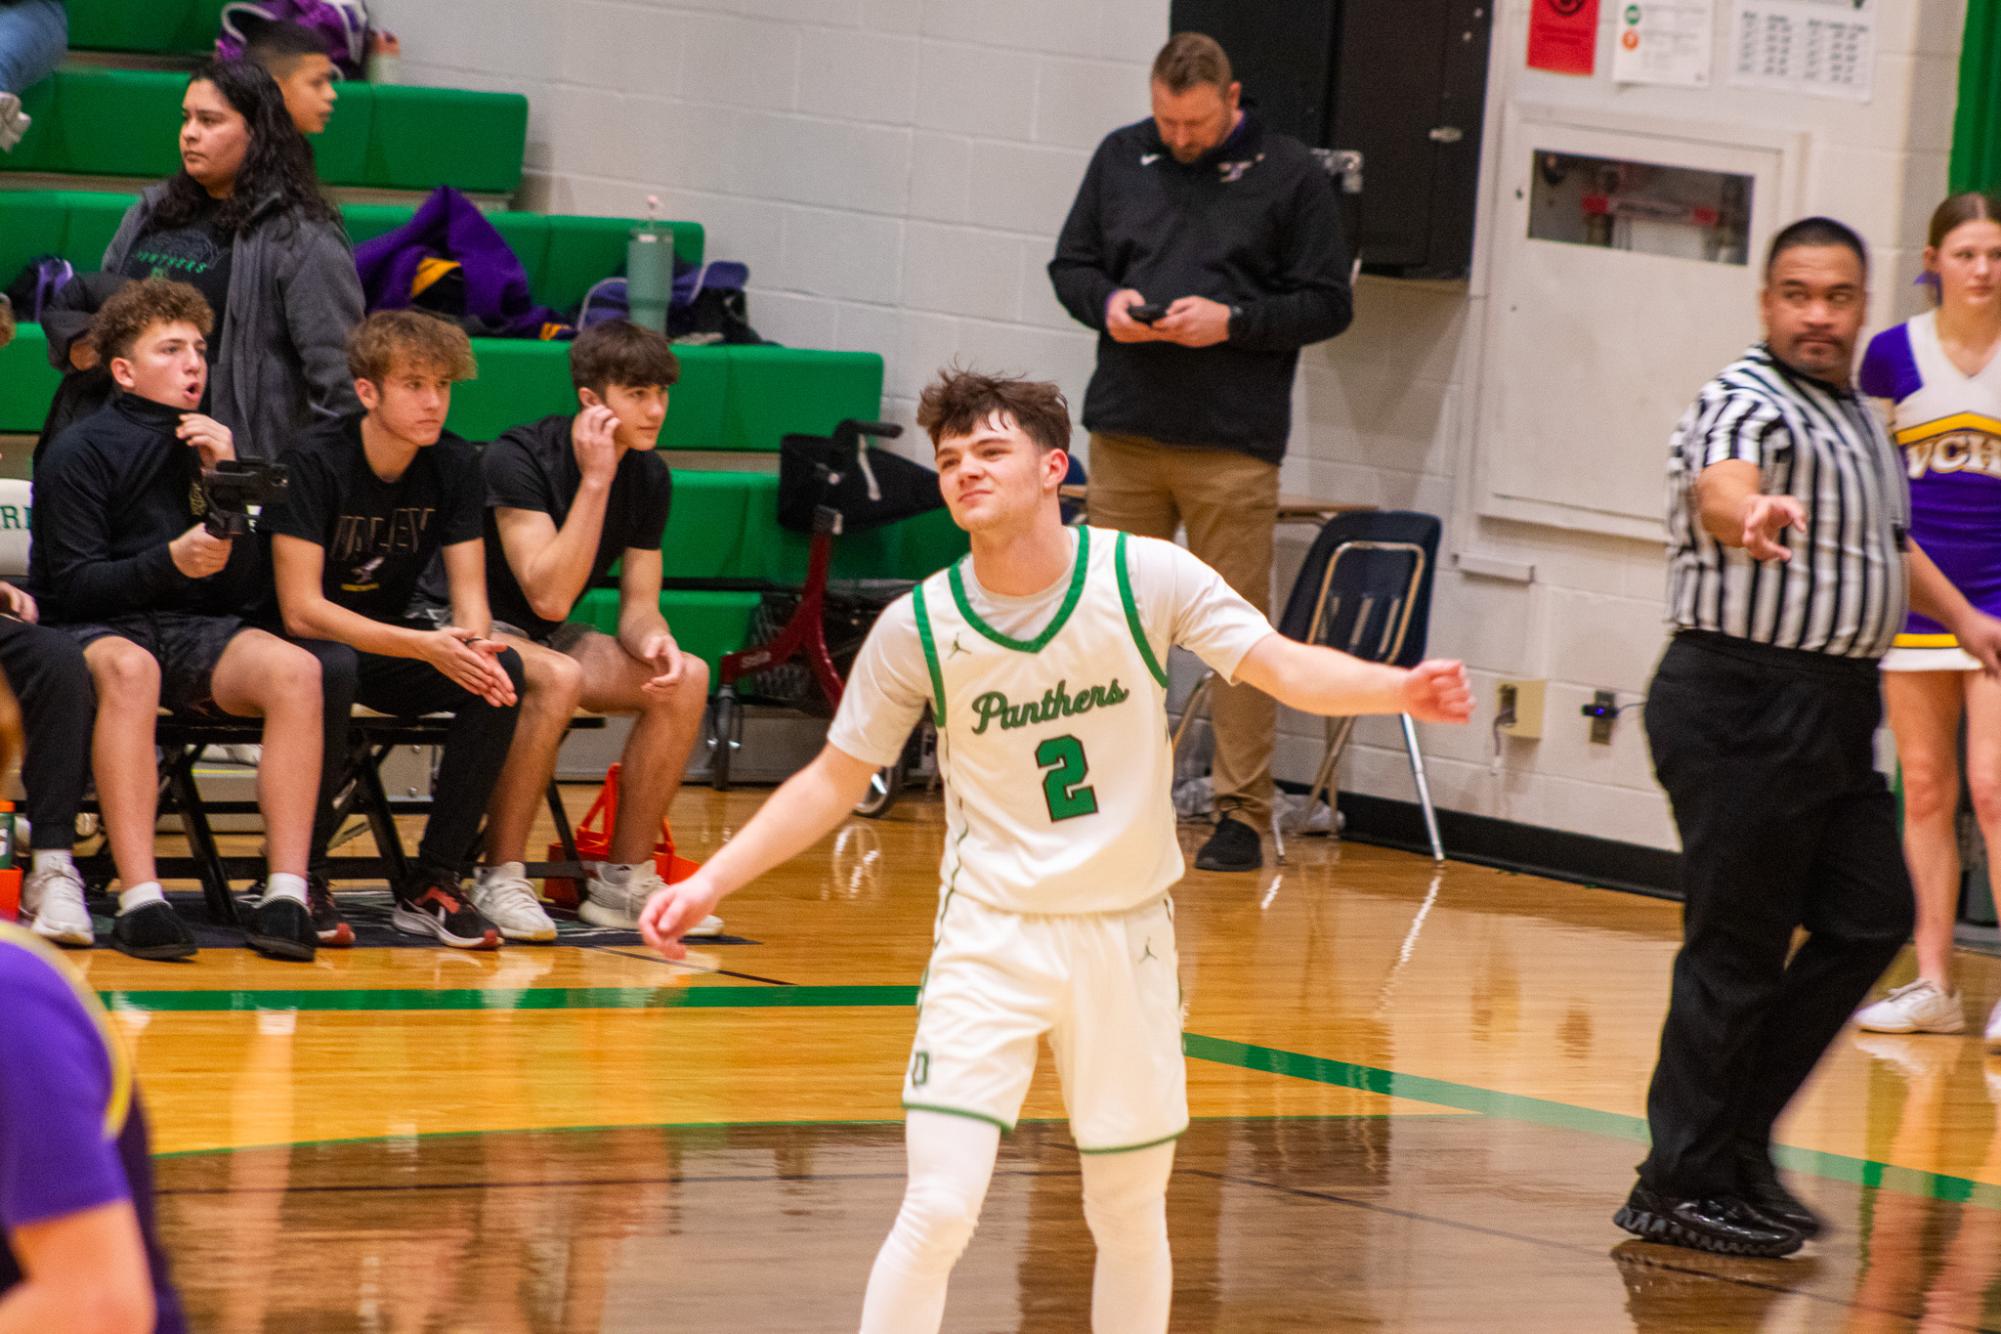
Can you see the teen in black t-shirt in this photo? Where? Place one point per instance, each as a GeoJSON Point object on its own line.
{"type": "Point", "coordinates": [567, 498]}
{"type": "Point", "coordinates": [373, 499]}
{"type": "Point", "coordinates": [129, 571]}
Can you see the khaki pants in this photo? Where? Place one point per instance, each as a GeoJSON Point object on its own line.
{"type": "Point", "coordinates": [1229, 503]}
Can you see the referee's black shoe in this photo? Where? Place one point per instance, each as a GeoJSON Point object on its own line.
{"type": "Point", "coordinates": [1759, 1182]}
{"type": "Point", "coordinates": [1233, 847]}
{"type": "Point", "coordinates": [1724, 1224]}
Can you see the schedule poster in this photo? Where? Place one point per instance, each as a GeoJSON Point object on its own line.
{"type": "Point", "coordinates": [1664, 41]}
{"type": "Point", "coordinates": [1823, 48]}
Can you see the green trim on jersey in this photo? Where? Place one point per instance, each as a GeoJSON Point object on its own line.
{"type": "Point", "coordinates": [1132, 614]}
{"type": "Point", "coordinates": [1006, 1128]}
{"type": "Point", "coordinates": [1036, 644]}
{"type": "Point", "coordinates": [930, 654]}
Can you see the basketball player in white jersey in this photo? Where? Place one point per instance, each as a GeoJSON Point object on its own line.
{"type": "Point", "coordinates": [1042, 656]}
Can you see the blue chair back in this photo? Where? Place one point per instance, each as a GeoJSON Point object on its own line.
{"type": "Point", "coordinates": [1365, 587]}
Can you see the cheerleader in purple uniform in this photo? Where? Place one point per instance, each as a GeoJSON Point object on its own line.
{"type": "Point", "coordinates": [1941, 373]}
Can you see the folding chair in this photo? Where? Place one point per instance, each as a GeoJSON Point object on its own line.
{"type": "Point", "coordinates": [1365, 589]}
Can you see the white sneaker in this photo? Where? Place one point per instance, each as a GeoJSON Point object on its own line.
{"type": "Point", "coordinates": [1915, 1007]}
{"type": "Point", "coordinates": [510, 903]}
{"type": "Point", "coordinates": [607, 904]}
{"type": "Point", "coordinates": [52, 901]}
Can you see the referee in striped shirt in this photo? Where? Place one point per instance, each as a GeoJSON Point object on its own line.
{"type": "Point", "coordinates": [1789, 570]}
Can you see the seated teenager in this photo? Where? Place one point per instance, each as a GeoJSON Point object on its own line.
{"type": "Point", "coordinates": [373, 498]}
{"type": "Point", "coordinates": [123, 563]}
{"type": "Point", "coordinates": [297, 61]}
{"type": "Point", "coordinates": [567, 497]}
{"type": "Point", "coordinates": [46, 669]}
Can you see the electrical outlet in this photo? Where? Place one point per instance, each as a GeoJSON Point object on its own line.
{"type": "Point", "coordinates": [1603, 711]}
{"type": "Point", "coordinates": [1524, 699]}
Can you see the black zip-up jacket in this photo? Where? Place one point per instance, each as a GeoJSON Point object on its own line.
{"type": "Point", "coordinates": [110, 493]}
{"type": "Point", "coordinates": [1252, 224]}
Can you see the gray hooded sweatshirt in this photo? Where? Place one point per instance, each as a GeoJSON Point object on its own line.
{"type": "Point", "coordinates": [293, 296]}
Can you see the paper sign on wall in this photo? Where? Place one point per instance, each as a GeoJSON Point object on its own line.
{"type": "Point", "coordinates": [1563, 36]}
{"type": "Point", "coordinates": [1663, 41]}
{"type": "Point", "coordinates": [1826, 48]}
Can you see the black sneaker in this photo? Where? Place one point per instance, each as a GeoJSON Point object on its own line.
{"type": "Point", "coordinates": [329, 926]}
{"type": "Point", "coordinates": [1724, 1224]}
{"type": "Point", "coordinates": [1764, 1191]}
{"type": "Point", "coordinates": [154, 931]}
{"type": "Point", "coordinates": [428, 904]}
{"type": "Point", "coordinates": [1233, 847]}
{"type": "Point", "coordinates": [281, 928]}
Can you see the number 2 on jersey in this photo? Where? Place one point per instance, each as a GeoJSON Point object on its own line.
{"type": "Point", "coordinates": [1063, 786]}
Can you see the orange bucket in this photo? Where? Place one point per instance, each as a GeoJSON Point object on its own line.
{"type": "Point", "coordinates": [593, 839]}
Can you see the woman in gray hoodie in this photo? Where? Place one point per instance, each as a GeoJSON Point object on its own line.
{"type": "Point", "coordinates": [245, 223]}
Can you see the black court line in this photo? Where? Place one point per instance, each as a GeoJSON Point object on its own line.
{"type": "Point", "coordinates": [648, 956]}
{"type": "Point", "coordinates": [1573, 1248]}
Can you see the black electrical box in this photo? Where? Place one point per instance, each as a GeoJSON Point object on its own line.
{"type": "Point", "coordinates": [1394, 89]}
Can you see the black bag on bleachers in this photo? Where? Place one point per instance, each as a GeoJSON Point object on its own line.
{"type": "Point", "coordinates": [869, 487]}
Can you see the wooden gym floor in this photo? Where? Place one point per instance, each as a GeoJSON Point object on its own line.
{"type": "Point", "coordinates": [1418, 1097]}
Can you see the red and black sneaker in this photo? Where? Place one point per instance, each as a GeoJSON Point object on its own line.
{"type": "Point", "coordinates": [328, 924]}
{"type": "Point", "coordinates": [429, 904]}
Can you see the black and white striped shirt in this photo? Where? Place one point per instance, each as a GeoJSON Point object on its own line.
{"type": "Point", "coordinates": [1844, 591]}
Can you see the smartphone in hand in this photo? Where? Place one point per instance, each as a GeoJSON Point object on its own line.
{"type": "Point", "coordinates": [1146, 313]}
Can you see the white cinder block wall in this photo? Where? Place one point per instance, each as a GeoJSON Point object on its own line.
{"type": "Point", "coordinates": [895, 171]}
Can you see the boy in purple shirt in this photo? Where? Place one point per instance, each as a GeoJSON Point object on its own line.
{"type": "Point", "coordinates": [78, 1248]}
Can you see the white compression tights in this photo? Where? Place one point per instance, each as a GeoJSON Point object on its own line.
{"type": "Point", "coordinates": [951, 1161]}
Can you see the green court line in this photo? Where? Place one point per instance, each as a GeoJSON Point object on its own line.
{"type": "Point", "coordinates": [1564, 1116]}
{"type": "Point", "coordinates": [1863, 1172]}
{"type": "Point", "coordinates": [520, 998]}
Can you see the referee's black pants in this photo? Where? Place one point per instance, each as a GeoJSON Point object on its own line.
{"type": "Point", "coordinates": [1767, 756]}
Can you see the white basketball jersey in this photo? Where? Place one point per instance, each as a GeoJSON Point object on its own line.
{"type": "Point", "coordinates": [1054, 751]}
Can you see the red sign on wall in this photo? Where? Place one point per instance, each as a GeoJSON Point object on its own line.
{"type": "Point", "coordinates": [1563, 35]}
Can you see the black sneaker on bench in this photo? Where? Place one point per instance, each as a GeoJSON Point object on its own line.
{"type": "Point", "coordinates": [281, 928]}
{"type": "Point", "coordinates": [154, 931]}
{"type": "Point", "coordinates": [428, 904]}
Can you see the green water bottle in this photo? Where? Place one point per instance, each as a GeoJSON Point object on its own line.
{"type": "Point", "coordinates": [649, 270]}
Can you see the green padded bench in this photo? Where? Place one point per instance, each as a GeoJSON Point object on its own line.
{"type": "Point", "coordinates": [150, 27]}
{"type": "Point", "coordinates": [117, 122]}
{"type": "Point", "coordinates": [521, 380]}
{"type": "Point", "coordinates": [564, 254]}
{"type": "Point", "coordinates": [724, 526]}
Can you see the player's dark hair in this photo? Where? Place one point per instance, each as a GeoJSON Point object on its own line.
{"type": "Point", "coordinates": [1815, 231]}
{"type": "Point", "coordinates": [960, 401]}
{"type": "Point", "coordinates": [279, 46]}
{"type": "Point", "coordinates": [619, 352]}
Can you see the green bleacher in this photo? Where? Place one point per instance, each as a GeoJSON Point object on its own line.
{"type": "Point", "coordinates": [740, 399]}
{"type": "Point", "coordinates": [144, 27]}
{"type": "Point", "coordinates": [121, 122]}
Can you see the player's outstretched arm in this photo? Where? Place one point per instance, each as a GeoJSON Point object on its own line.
{"type": "Point", "coordinates": [805, 807]}
{"type": "Point", "coordinates": [1326, 681]}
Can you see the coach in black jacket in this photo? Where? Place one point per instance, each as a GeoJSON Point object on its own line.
{"type": "Point", "coordinates": [1232, 230]}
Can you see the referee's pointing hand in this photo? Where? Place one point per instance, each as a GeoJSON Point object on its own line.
{"type": "Point", "coordinates": [1766, 518]}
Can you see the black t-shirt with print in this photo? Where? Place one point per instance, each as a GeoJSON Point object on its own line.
{"type": "Point", "coordinates": [534, 467]}
{"type": "Point", "coordinates": [197, 253]}
{"type": "Point", "coordinates": [378, 536]}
